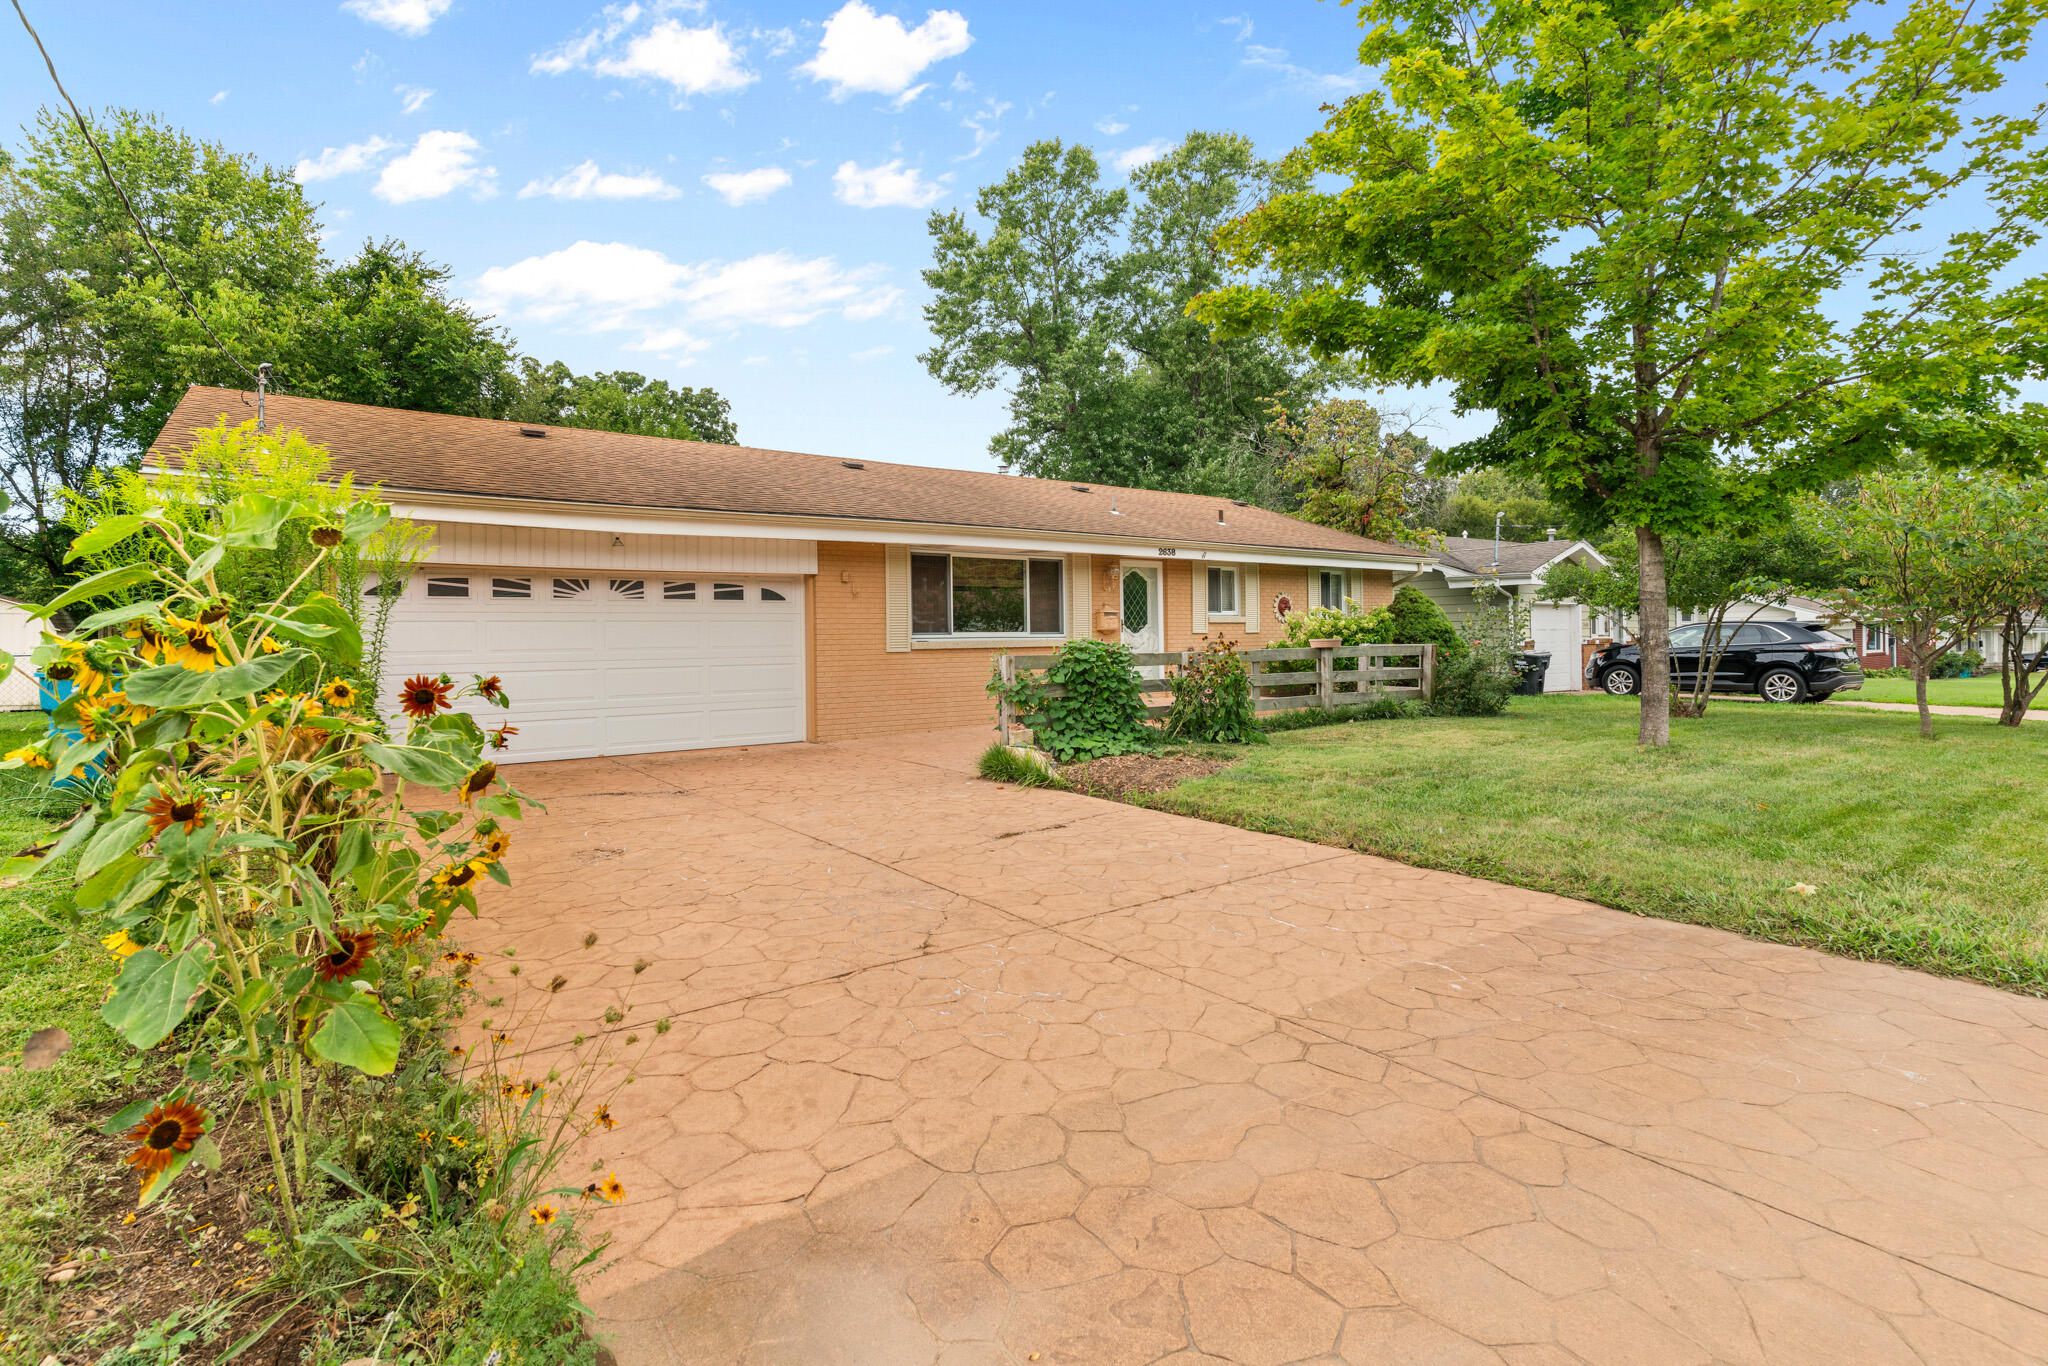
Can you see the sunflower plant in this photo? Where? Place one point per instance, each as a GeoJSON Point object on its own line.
{"type": "Point", "coordinates": [258, 847]}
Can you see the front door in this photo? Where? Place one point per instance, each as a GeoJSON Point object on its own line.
{"type": "Point", "coordinates": [1143, 631]}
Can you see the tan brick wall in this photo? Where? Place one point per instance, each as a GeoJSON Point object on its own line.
{"type": "Point", "coordinates": [860, 689]}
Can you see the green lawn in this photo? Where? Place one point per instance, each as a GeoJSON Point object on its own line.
{"type": "Point", "coordinates": [1943, 692]}
{"type": "Point", "coordinates": [1927, 854]}
{"type": "Point", "coordinates": [45, 980]}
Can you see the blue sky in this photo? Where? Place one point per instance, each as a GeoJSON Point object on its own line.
{"type": "Point", "coordinates": [717, 193]}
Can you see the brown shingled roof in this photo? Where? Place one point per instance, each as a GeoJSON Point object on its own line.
{"type": "Point", "coordinates": [437, 453]}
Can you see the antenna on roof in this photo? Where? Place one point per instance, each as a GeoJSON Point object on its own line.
{"type": "Point", "coordinates": [1112, 504]}
{"type": "Point", "coordinates": [262, 385]}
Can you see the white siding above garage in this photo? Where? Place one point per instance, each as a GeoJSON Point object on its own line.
{"type": "Point", "coordinates": [481, 543]}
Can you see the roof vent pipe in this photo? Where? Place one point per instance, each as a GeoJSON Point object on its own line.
{"type": "Point", "coordinates": [1219, 518]}
{"type": "Point", "coordinates": [1112, 506]}
{"type": "Point", "coordinates": [1550, 533]}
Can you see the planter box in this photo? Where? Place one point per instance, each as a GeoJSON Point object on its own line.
{"type": "Point", "coordinates": [1324, 644]}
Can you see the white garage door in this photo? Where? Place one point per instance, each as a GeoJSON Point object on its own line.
{"type": "Point", "coordinates": [1555, 629]}
{"type": "Point", "coordinates": [601, 664]}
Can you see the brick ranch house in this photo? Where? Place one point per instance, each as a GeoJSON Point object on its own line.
{"type": "Point", "coordinates": [640, 594]}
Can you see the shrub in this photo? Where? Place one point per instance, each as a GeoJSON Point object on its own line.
{"type": "Point", "coordinates": [1414, 618]}
{"type": "Point", "coordinates": [1212, 698]}
{"type": "Point", "coordinates": [1480, 683]}
{"type": "Point", "coordinates": [1955, 664]}
{"type": "Point", "coordinates": [1100, 709]}
{"type": "Point", "coordinates": [1377, 707]}
{"type": "Point", "coordinates": [1002, 764]}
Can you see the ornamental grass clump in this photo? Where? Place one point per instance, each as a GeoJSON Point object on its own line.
{"type": "Point", "coordinates": [242, 849]}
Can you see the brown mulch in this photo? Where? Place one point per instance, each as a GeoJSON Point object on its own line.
{"type": "Point", "coordinates": [1123, 776]}
{"type": "Point", "coordinates": [123, 1269]}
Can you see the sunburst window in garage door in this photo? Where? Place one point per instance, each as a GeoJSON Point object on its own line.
{"type": "Point", "coordinates": [632, 590]}
{"type": "Point", "coordinates": [511, 588]}
{"type": "Point", "coordinates": [685, 591]}
{"type": "Point", "coordinates": [770, 595]}
{"type": "Point", "coordinates": [571, 588]}
{"type": "Point", "coordinates": [453, 587]}
{"type": "Point", "coordinates": [728, 592]}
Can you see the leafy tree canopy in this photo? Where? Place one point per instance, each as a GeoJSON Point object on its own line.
{"type": "Point", "coordinates": [1073, 295]}
{"type": "Point", "coordinates": [619, 401]}
{"type": "Point", "coordinates": [1662, 243]}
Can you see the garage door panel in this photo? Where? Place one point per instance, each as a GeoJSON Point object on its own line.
{"type": "Point", "coordinates": [601, 672]}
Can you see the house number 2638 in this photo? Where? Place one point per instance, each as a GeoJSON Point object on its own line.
{"type": "Point", "coordinates": [1167, 550]}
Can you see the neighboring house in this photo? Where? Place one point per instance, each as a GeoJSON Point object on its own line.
{"type": "Point", "coordinates": [640, 594]}
{"type": "Point", "coordinates": [1467, 567]}
{"type": "Point", "coordinates": [20, 633]}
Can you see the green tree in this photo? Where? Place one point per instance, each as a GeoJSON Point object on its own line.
{"type": "Point", "coordinates": [619, 401]}
{"type": "Point", "coordinates": [2013, 549]}
{"type": "Point", "coordinates": [1660, 242]}
{"type": "Point", "coordinates": [1474, 504]}
{"type": "Point", "coordinates": [1347, 469]}
{"type": "Point", "coordinates": [95, 345]}
{"type": "Point", "coordinates": [1073, 296]}
{"type": "Point", "coordinates": [1912, 546]}
{"type": "Point", "coordinates": [383, 329]}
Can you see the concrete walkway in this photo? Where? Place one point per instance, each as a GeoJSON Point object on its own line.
{"type": "Point", "coordinates": [964, 1074]}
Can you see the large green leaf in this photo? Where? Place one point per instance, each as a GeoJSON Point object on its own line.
{"type": "Point", "coordinates": [168, 685]}
{"type": "Point", "coordinates": [256, 675]}
{"type": "Point", "coordinates": [154, 994]}
{"type": "Point", "coordinates": [415, 765]}
{"type": "Point", "coordinates": [363, 521]}
{"type": "Point", "coordinates": [255, 518]}
{"type": "Point", "coordinates": [115, 839]}
{"type": "Point", "coordinates": [344, 638]}
{"type": "Point", "coordinates": [105, 536]}
{"type": "Point", "coordinates": [355, 1033]}
{"type": "Point", "coordinates": [121, 576]}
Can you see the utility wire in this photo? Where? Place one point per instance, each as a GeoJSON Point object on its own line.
{"type": "Point", "coordinates": [92, 142]}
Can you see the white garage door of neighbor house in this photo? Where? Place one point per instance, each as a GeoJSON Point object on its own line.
{"type": "Point", "coordinates": [1555, 629]}
{"type": "Point", "coordinates": [603, 664]}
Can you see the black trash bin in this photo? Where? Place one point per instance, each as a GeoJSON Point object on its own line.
{"type": "Point", "coordinates": [1531, 667]}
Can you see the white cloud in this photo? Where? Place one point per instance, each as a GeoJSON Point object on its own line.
{"type": "Point", "coordinates": [982, 123]}
{"type": "Point", "coordinates": [669, 340]}
{"type": "Point", "coordinates": [218, 96]}
{"type": "Point", "coordinates": [691, 61]}
{"type": "Point", "coordinates": [1131, 158]}
{"type": "Point", "coordinates": [610, 286]}
{"type": "Point", "coordinates": [340, 161]}
{"type": "Point", "coordinates": [439, 163]}
{"type": "Point", "coordinates": [1322, 84]}
{"type": "Point", "coordinates": [872, 353]}
{"type": "Point", "coordinates": [744, 187]}
{"type": "Point", "coordinates": [1242, 23]}
{"type": "Point", "coordinates": [412, 98]}
{"type": "Point", "coordinates": [892, 185]}
{"type": "Point", "coordinates": [410, 17]}
{"type": "Point", "coordinates": [1110, 126]}
{"type": "Point", "coordinates": [863, 51]}
{"type": "Point", "coordinates": [587, 182]}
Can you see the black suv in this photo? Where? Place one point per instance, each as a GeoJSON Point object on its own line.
{"type": "Point", "coordinates": [1780, 661]}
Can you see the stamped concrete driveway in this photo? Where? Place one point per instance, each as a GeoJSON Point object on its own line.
{"type": "Point", "coordinates": [966, 1074]}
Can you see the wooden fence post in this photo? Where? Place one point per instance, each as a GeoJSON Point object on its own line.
{"type": "Point", "coordinates": [1428, 679]}
{"type": "Point", "coordinates": [1004, 715]}
{"type": "Point", "coordinates": [1326, 686]}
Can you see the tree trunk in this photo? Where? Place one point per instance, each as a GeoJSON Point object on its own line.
{"type": "Point", "coordinates": [1920, 692]}
{"type": "Point", "coordinates": [1653, 639]}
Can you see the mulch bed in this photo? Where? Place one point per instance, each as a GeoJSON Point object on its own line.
{"type": "Point", "coordinates": [1124, 776]}
{"type": "Point", "coordinates": [185, 1251]}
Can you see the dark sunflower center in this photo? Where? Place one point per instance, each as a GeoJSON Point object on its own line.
{"type": "Point", "coordinates": [339, 957]}
{"type": "Point", "coordinates": [164, 1134]}
{"type": "Point", "coordinates": [185, 811]}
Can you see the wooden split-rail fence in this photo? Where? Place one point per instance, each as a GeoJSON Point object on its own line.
{"type": "Point", "coordinates": [1322, 684]}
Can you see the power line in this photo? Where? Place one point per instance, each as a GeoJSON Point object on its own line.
{"type": "Point", "coordinates": [92, 142]}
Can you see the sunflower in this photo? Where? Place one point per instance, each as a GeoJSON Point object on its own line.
{"type": "Point", "coordinates": [492, 687]}
{"type": "Point", "coordinates": [131, 713]}
{"type": "Point", "coordinates": [30, 755]}
{"type": "Point", "coordinates": [270, 645]}
{"type": "Point", "coordinates": [167, 809]}
{"type": "Point", "coordinates": [473, 786]}
{"type": "Point", "coordinates": [326, 537]}
{"type": "Point", "coordinates": [119, 944]}
{"type": "Point", "coordinates": [502, 736]}
{"type": "Point", "coordinates": [350, 951]}
{"type": "Point", "coordinates": [340, 694]}
{"type": "Point", "coordinates": [458, 876]}
{"type": "Point", "coordinates": [422, 697]}
{"type": "Point", "coordinates": [76, 670]}
{"type": "Point", "coordinates": [151, 645]}
{"type": "Point", "coordinates": [602, 1117]}
{"type": "Point", "coordinates": [165, 1132]}
{"type": "Point", "coordinates": [200, 651]}
{"type": "Point", "coordinates": [494, 844]}
{"type": "Point", "coordinates": [543, 1214]}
